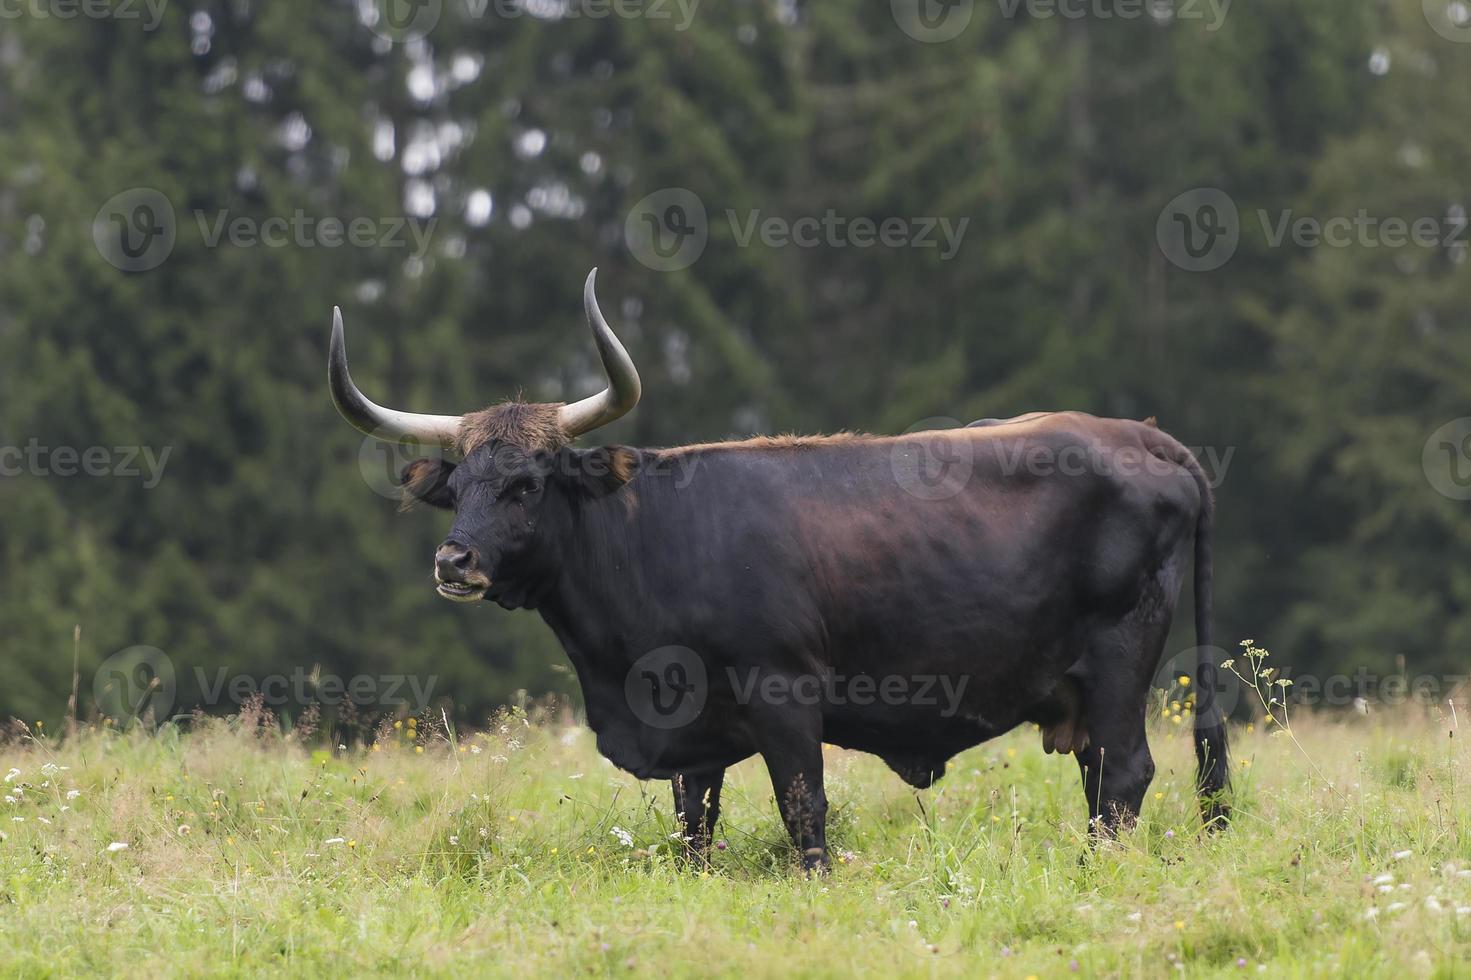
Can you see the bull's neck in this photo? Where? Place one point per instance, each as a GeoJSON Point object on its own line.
{"type": "Point", "coordinates": [590, 597]}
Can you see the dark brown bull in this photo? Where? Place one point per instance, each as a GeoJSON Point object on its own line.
{"type": "Point", "coordinates": [766, 596]}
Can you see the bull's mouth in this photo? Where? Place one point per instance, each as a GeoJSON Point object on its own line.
{"type": "Point", "coordinates": [461, 591]}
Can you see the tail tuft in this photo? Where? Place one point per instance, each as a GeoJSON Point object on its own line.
{"type": "Point", "coordinates": [1213, 772]}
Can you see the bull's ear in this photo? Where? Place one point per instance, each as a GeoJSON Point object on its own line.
{"type": "Point", "coordinates": [427, 481]}
{"type": "Point", "coordinates": [604, 469]}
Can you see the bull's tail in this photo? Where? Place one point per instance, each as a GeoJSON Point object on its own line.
{"type": "Point", "coordinates": [1212, 772]}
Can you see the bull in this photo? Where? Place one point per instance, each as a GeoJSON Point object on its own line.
{"type": "Point", "coordinates": [764, 596]}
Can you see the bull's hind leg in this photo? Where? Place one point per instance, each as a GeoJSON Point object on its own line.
{"type": "Point", "coordinates": [1115, 681]}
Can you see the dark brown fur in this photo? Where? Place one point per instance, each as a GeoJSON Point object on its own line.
{"type": "Point", "coordinates": [528, 426]}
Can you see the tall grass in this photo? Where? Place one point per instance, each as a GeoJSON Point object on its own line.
{"type": "Point", "coordinates": [233, 848]}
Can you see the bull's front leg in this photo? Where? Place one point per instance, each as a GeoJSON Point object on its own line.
{"type": "Point", "coordinates": [697, 805]}
{"type": "Point", "coordinates": [791, 744]}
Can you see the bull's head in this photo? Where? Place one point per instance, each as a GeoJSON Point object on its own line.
{"type": "Point", "coordinates": [517, 470]}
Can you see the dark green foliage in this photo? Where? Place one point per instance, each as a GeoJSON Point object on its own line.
{"type": "Point", "coordinates": [262, 548]}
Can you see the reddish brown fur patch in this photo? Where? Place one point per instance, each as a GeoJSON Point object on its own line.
{"type": "Point", "coordinates": [419, 477]}
{"type": "Point", "coordinates": [1066, 732]}
{"type": "Point", "coordinates": [530, 426]}
{"type": "Point", "coordinates": [622, 464]}
{"type": "Point", "coordinates": [788, 440]}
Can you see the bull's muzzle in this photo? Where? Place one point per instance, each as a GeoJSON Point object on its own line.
{"type": "Point", "coordinates": [457, 573]}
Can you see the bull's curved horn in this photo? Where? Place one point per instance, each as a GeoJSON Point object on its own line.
{"type": "Point", "coordinates": [623, 388]}
{"type": "Point", "coordinates": [375, 420]}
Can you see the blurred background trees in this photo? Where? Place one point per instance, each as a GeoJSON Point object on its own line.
{"type": "Point", "coordinates": [526, 133]}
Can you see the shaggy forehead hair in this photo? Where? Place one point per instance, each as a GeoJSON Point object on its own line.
{"type": "Point", "coordinates": [528, 426]}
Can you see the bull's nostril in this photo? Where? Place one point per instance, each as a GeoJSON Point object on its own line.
{"type": "Point", "coordinates": [450, 560]}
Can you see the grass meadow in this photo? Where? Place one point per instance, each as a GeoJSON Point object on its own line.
{"type": "Point", "coordinates": [227, 846]}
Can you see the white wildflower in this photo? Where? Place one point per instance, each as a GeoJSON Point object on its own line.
{"type": "Point", "coordinates": [335, 840]}
{"type": "Point", "coordinates": [475, 750]}
{"type": "Point", "coordinates": [1384, 880]}
{"type": "Point", "coordinates": [72, 794]}
{"type": "Point", "coordinates": [10, 776]}
{"type": "Point", "coordinates": [116, 846]}
{"type": "Point", "coordinates": [624, 837]}
{"type": "Point", "coordinates": [1401, 855]}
